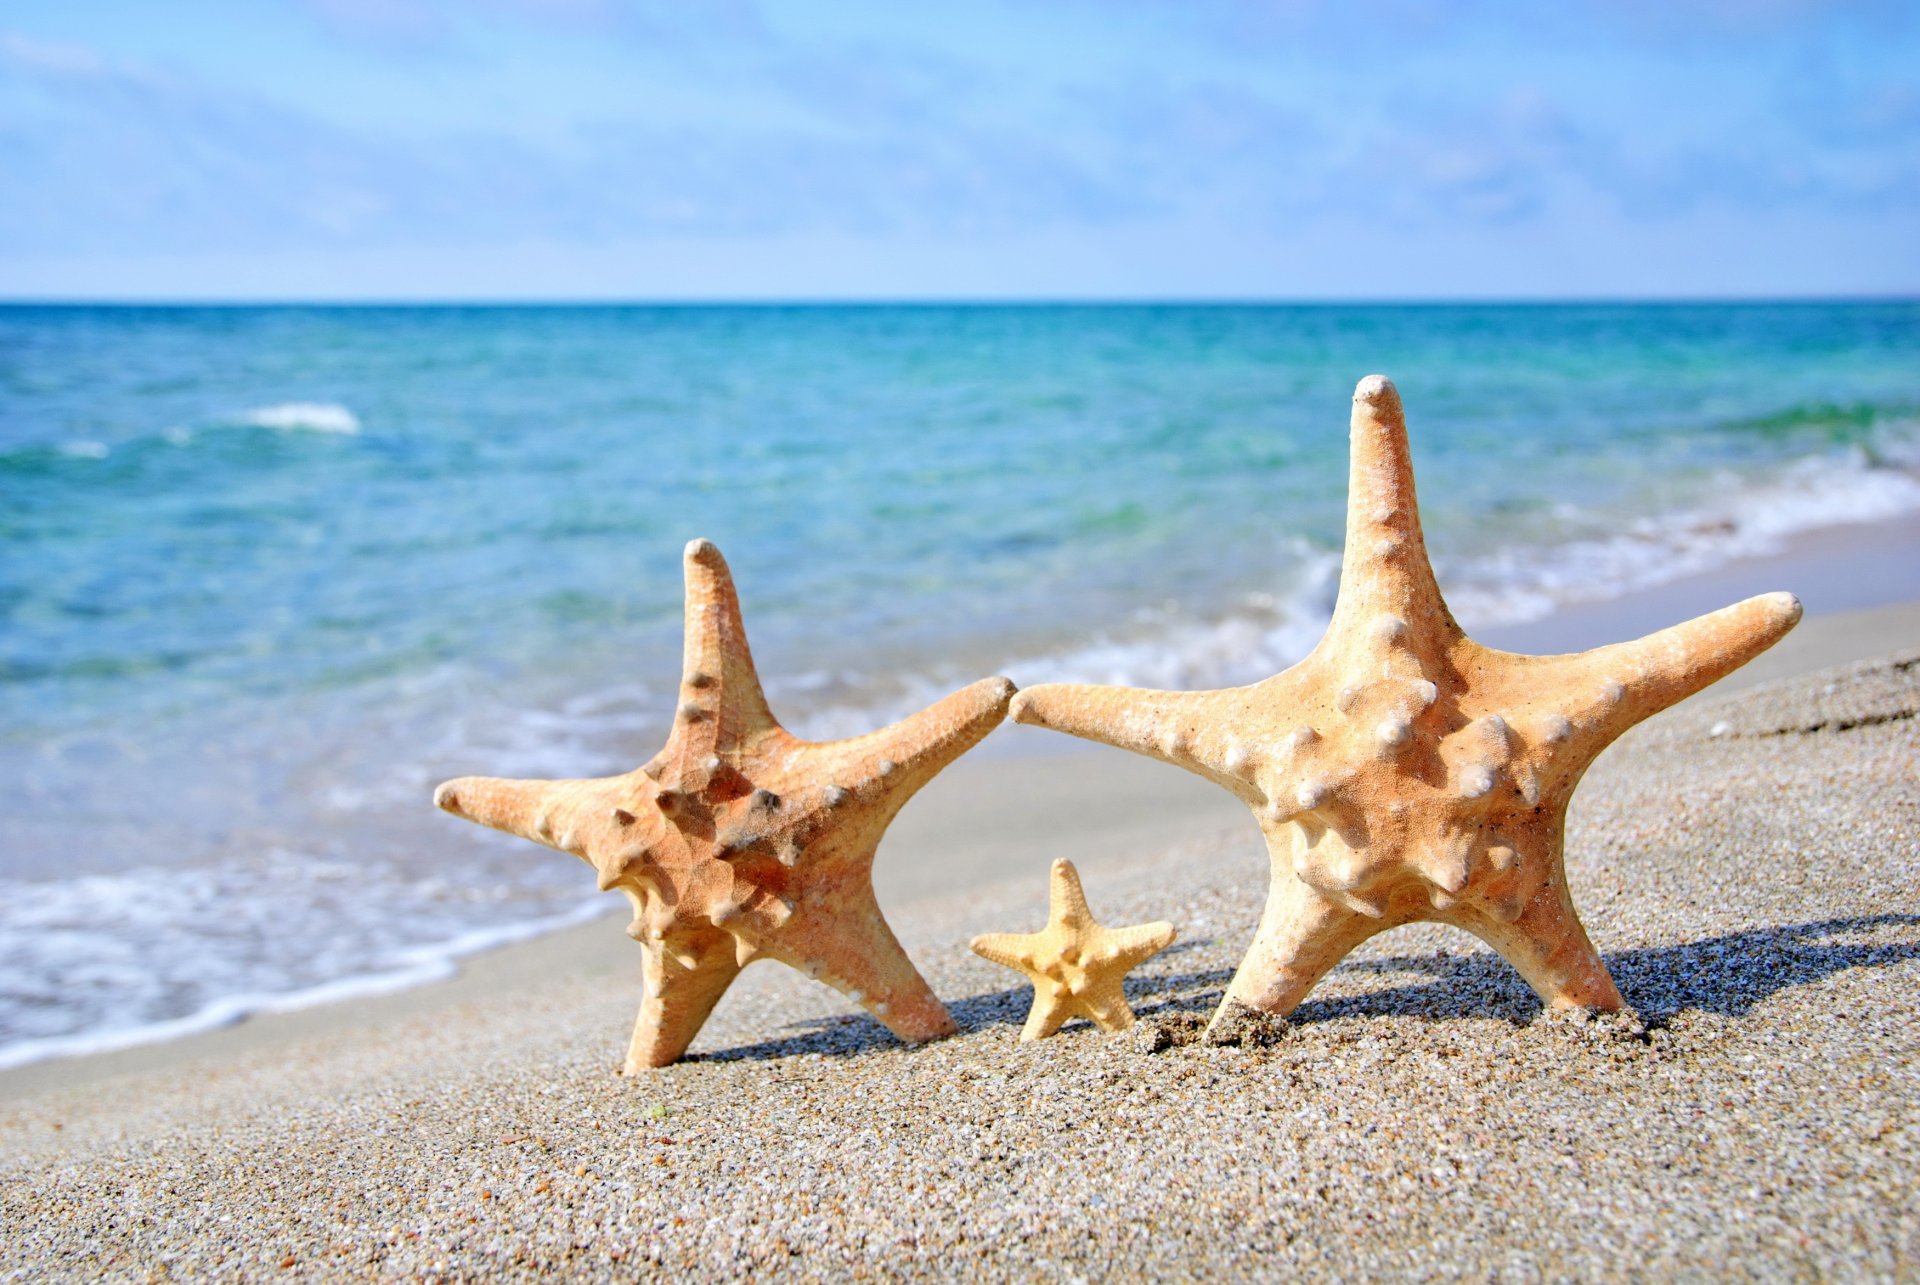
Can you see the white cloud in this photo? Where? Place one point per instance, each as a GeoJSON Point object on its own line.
{"type": "Point", "coordinates": [49, 55]}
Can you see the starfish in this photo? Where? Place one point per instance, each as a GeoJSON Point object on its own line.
{"type": "Point", "coordinates": [1403, 771]}
{"type": "Point", "coordinates": [1076, 965]}
{"type": "Point", "coordinates": [739, 842]}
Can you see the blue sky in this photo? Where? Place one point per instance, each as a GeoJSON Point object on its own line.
{"type": "Point", "coordinates": [338, 149]}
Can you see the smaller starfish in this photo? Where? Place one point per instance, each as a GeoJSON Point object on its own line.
{"type": "Point", "coordinates": [1076, 965]}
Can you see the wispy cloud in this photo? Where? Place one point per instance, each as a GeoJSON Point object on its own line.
{"type": "Point", "coordinates": [416, 26]}
{"type": "Point", "coordinates": [117, 157]}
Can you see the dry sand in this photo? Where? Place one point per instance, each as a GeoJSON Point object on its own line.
{"type": "Point", "coordinates": [1749, 864]}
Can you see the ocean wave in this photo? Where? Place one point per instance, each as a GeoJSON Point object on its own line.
{"type": "Point", "coordinates": [1825, 416]}
{"type": "Point", "coordinates": [1745, 518]}
{"type": "Point", "coordinates": [1256, 636]}
{"type": "Point", "coordinates": [52, 931]}
{"type": "Point", "coordinates": [312, 417]}
{"type": "Point", "coordinates": [284, 417]}
{"type": "Point", "coordinates": [419, 966]}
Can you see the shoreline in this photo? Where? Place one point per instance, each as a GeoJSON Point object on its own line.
{"type": "Point", "coordinates": [1093, 805]}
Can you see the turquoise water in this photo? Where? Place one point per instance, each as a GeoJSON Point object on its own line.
{"type": "Point", "coordinates": [270, 572]}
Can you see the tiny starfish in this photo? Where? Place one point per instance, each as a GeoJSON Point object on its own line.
{"type": "Point", "coordinates": [1403, 771]}
{"type": "Point", "coordinates": [1077, 966]}
{"type": "Point", "coordinates": [739, 841]}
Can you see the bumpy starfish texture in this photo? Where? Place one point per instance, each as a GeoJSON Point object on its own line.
{"type": "Point", "coordinates": [740, 842]}
{"type": "Point", "coordinates": [1077, 966]}
{"type": "Point", "coordinates": [1403, 771]}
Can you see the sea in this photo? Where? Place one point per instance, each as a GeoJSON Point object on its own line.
{"type": "Point", "coordinates": [267, 574]}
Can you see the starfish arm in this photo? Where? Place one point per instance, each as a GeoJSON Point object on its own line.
{"type": "Point", "coordinates": [1130, 947]}
{"type": "Point", "coordinates": [1384, 570]}
{"type": "Point", "coordinates": [1302, 935]}
{"type": "Point", "coordinates": [1192, 730]}
{"type": "Point", "coordinates": [1105, 1004]}
{"type": "Point", "coordinates": [857, 954]}
{"type": "Point", "coordinates": [908, 754]}
{"type": "Point", "coordinates": [555, 813]}
{"type": "Point", "coordinates": [719, 683]}
{"type": "Point", "coordinates": [1048, 1013]}
{"type": "Point", "coordinates": [1608, 690]}
{"type": "Point", "coordinates": [1009, 950]}
{"type": "Point", "coordinates": [682, 986]}
{"type": "Point", "coordinates": [1066, 899]}
{"type": "Point", "coordinates": [1549, 948]}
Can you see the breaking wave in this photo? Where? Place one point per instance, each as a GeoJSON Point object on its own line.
{"type": "Point", "coordinates": [105, 978]}
{"type": "Point", "coordinates": [311, 417]}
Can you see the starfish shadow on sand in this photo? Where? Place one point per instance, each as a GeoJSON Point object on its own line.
{"type": "Point", "coordinates": [1729, 975]}
{"type": "Point", "coordinates": [845, 1035]}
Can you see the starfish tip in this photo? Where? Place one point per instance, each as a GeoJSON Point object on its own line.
{"type": "Point", "coordinates": [1786, 608]}
{"type": "Point", "coordinates": [1376, 389]}
{"type": "Point", "coordinates": [446, 797]}
{"type": "Point", "coordinates": [704, 551]}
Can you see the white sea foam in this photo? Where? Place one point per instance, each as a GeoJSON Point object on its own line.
{"type": "Point", "coordinates": [312, 417]}
{"type": "Point", "coordinates": [408, 967]}
{"type": "Point", "coordinates": [83, 450]}
{"type": "Point", "coordinates": [1254, 637]}
{"type": "Point", "coordinates": [1744, 518]}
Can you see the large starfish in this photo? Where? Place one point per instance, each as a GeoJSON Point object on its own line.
{"type": "Point", "coordinates": [1403, 771]}
{"type": "Point", "coordinates": [739, 841]}
{"type": "Point", "coordinates": [1077, 966]}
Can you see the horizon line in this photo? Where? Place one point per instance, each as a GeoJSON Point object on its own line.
{"type": "Point", "coordinates": [936, 301]}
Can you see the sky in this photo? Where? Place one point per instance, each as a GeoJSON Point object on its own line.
{"type": "Point", "coordinates": [1051, 149]}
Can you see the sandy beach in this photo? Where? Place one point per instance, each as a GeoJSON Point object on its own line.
{"type": "Point", "coordinates": [1746, 863]}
